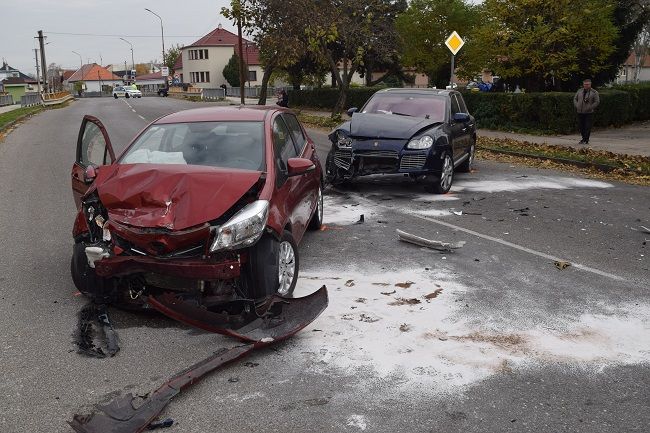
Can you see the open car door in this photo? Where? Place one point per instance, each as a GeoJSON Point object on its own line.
{"type": "Point", "coordinates": [93, 150]}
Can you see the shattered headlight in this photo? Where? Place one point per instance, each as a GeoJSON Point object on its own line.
{"type": "Point", "coordinates": [342, 140]}
{"type": "Point", "coordinates": [424, 142]}
{"type": "Point", "coordinates": [243, 229]}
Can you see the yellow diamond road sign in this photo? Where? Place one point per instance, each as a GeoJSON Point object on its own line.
{"type": "Point", "coordinates": [454, 42]}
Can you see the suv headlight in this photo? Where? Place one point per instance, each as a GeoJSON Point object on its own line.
{"type": "Point", "coordinates": [423, 142]}
{"type": "Point", "coordinates": [342, 140]}
{"type": "Point", "coordinates": [244, 228]}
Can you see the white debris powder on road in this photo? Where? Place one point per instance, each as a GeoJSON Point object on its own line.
{"type": "Point", "coordinates": [499, 184]}
{"type": "Point", "coordinates": [413, 327]}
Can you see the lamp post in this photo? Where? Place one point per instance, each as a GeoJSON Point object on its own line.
{"type": "Point", "coordinates": [80, 60]}
{"type": "Point", "coordinates": [132, 61]}
{"type": "Point", "coordinates": [162, 37]}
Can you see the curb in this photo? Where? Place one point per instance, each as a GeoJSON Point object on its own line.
{"type": "Point", "coordinates": [582, 164]}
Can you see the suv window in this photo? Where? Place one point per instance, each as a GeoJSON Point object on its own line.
{"type": "Point", "coordinates": [296, 132]}
{"type": "Point", "coordinates": [454, 105]}
{"type": "Point", "coordinates": [461, 103]}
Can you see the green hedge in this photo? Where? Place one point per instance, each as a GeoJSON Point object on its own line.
{"type": "Point", "coordinates": [551, 112]}
{"type": "Point", "coordinates": [326, 97]}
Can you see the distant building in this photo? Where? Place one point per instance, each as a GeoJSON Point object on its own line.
{"type": "Point", "coordinates": [7, 71]}
{"type": "Point", "coordinates": [201, 63]}
{"type": "Point", "coordinates": [19, 86]}
{"type": "Point", "coordinates": [627, 71]}
{"type": "Point", "coordinates": [150, 82]}
{"type": "Point", "coordinates": [94, 77]}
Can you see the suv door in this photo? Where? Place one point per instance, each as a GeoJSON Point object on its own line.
{"type": "Point", "coordinates": [460, 130]}
{"type": "Point", "coordinates": [93, 149]}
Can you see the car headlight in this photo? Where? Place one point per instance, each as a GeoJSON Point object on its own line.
{"type": "Point", "coordinates": [342, 140]}
{"type": "Point", "coordinates": [423, 142]}
{"type": "Point", "coordinates": [244, 228]}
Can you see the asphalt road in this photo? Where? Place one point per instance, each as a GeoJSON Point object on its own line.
{"type": "Point", "coordinates": [490, 338]}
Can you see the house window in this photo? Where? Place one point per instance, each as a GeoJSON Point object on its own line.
{"type": "Point", "coordinates": [201, 54]}
{"type": "Point", "coordinates": [200, 77]}
{"type": "Point", "coordinates": [252, 75]}
{"type": "Point", "coordinates": [205, 53]}
{"type": "Point", "coordinates": [207, 77]}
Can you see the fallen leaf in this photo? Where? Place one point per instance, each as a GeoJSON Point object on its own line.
{"type": "Point", "coordinates": [388, 293]}
{"type": "Point", "coordinates": [349, 283]}
{"type": "Point", "coordinates": [561, 264]}
{"type": "Point", "coordinates": [433, 294]}
{"type": "Point", "coordinates": [405, 285]}
{"type": "Point", "coordinates": [381, 284]}
{"type": "Point", "coordinates": [405, 301]}
{"type": "Point", "coordinates": [361, 300]}
{"type": "Point", "coordinates": [404, 327]}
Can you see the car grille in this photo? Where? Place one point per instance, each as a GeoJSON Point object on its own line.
{"type": "Point", "coordinates": [378, 154]}
{"type": "Point", "coordinates": [412, 162]}
{"type": "Point", "coordinates": [343, 158]}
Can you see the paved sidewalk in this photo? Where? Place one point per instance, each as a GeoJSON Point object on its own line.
{"type": "Point", "coordinates": [7, 108]}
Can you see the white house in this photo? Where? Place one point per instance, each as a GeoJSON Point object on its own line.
{"type": "Point", "coordinates": [94, 77]}
{"type": "Point", "coordinates": [628, 72]}
{"type": "Point", "coordinates": [202, 62]}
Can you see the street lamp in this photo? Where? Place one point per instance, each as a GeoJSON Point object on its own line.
{"type": "Point", "coordinates": [80, 60]}
{"type": "Point", "coordinates": [132, 61]}
{"type": "Point", "coordinates": [162, 37]}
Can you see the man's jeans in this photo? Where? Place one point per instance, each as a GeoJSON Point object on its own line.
{"type": "Point", "coordinates": [585, 120]}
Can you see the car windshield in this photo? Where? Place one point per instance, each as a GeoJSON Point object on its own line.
{"type": "Point", "coordinates": [216, 144]}
{"type": "Point", "coordinates": [427, 106]}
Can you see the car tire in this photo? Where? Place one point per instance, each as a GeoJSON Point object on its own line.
{"type": "Point", "coordinates": [467, 165]}
{"type": "Point", "coordinates": [316, 221]}
{"type": "Point", "coordinates": [442, 184]}
{"type": "Point", "coordinates": [115, 95]}
{"type": "Point", "coordinates": [267, 267]}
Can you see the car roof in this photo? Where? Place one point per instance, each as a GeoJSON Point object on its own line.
{"type": "Point", "coordinates": [417, 91]}
{"type": "Point", "coordinates": [214, 114]}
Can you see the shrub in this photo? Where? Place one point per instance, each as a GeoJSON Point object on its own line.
{"type": "Point", "coordinates": [326, 97]}
{"type": "Point", "coordinates": [639, 98]}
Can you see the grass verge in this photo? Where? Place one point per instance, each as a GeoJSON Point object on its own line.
{"type": "Point", "coordinates": [602, 164]}
{"type": "Point", "coordinates": [7, 119]}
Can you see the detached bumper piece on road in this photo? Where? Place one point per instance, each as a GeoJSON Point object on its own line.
{"type": "Point", "coordinates": [276, 320]}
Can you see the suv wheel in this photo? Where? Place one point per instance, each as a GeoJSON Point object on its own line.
{"type": "Point", "coordinates": [442, 185]}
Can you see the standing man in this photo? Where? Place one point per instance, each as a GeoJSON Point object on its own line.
{"type": "Point", "coordinates": [586, 100]}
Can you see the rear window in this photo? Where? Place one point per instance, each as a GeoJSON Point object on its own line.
{"type": "Point", "coordinates": [216, 144]}
{"type": "Point", "coordinates": [427, 106]}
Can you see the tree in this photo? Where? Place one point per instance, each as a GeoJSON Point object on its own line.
{"type": "Point", "coordinates": [539, 44]}
{"type": "Point", "coordinates": [345, 31]}
{"type": "Point", "coordinates": [142, 69]}
{"type": "Point", "coordinates": [231, 71]}
{"type": "Point", "coordinates": [641, 47]}
{"type": "Point", "coordinates": [629, 17]}
{"type": "Point", "coordinates": [55, 77]}
{"type": "Point", "coordinates": [425, 26]}
{"type": "Point", "coordinates": [172, 55]}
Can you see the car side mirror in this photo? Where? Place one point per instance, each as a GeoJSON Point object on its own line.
{"type": "Point", "coordinates": [90, 174]}
{"type": "Point", "coordinates": [351, 111]}
{"type": "Point", "coordinates": [461, 117]}
{"type": "Point", "coordinates": [300, 166]}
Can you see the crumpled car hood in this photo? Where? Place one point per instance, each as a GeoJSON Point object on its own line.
{"type": "Point", "coordinates": [170, 196]}
{"type": "Point", "coordinates": [387, 125]}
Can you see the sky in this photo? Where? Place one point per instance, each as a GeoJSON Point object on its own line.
{"type": "Point", "coordinates": [184, 23]}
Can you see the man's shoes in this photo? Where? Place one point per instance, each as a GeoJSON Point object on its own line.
{"type": "Point", "coordinates": [582, 142]}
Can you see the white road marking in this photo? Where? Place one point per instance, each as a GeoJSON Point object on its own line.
{"type": "Point", "coordinates": [499, 241]}
{"type": "Point", "coordinates": [133, 110]}
{"type": "Point", "coordinates": [141, 117]}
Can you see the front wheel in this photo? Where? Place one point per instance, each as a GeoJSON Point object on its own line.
{"type": "Point", "coordinates": [272, 267]}
{"type": "Point", "coordinates": [442, 185]}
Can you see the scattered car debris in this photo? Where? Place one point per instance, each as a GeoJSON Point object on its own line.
{"type": "Point", "coordinates": [94, 330]}
{"type": "Point", "coordinates": [459, 213]}
{"type": "Point", "coordinates": [361, 300]}
{"type": "Point", "coordinates": [433, 294]}
{"type": "Point", "coordinates": [561, 264]}
{"type": "Point", "coordinates": [523, 211]}
{"type": "Point", "coordinates": [368, 319]}
{"type": "Point", "coordinates": [349, 283]}
{"type": "Point", "coordinates": [404, 327]}
{"type": "Point", "coordinates": [428, 243]}
{"type": "Point", "coordinates": [404, 285]}
{"type": "Point", "coordinates": [381, 284]}
{"type": "Point", "coordinates": [361, 219]}
{"type": "Point", "coordinates": [277, 324]}
{"type": "Point", "coordinates": [234, 379]}
{"type": "Point", "coordinates": [405, 301]}
{"type": "Point", "coordinates": [389, 293]}
{"type": "Point", "coordinates": [161, 424]}
{"type": "Point", "coordinates": [645, 229]}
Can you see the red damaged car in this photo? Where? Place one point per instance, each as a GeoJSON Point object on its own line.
{"type": "Point", "coordinates": [209, 202]}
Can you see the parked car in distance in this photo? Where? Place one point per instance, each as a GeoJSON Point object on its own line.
{"type": "Point", "coordinates": [422, 133]}
{"type": "Point", "coordinates": [163, 91]}
{"type": "Point", "coordinates": [127, 92]}
{"type": "Point", "coordinates": [209, 201]}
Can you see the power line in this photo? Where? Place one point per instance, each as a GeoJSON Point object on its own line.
{"type": "Point", "coordinates": [117, 36]}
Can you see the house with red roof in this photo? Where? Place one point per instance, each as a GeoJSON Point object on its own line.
{"type": "Point", "coordinates": [150, 83]}
{"type": "Point", "coordinates": [94, 77]}
{"type": "Point", "coordinates": [628, 72]}
{"type": "Point", "coordinates": [202, 62]}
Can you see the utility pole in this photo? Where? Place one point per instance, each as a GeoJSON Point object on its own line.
{"type": "Point", "coordinates": [241, 60]}
{"type": "Point", "coordinates": [162, 37]}
{"type": "Point", "coordinates": [38, 75]}
{"type": "Point", "coordinates": [41, 42]}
